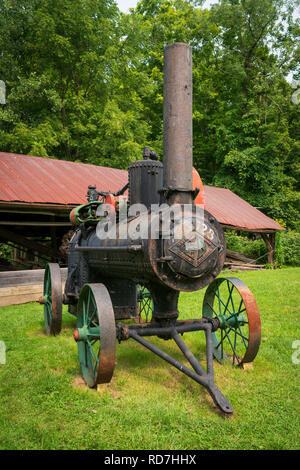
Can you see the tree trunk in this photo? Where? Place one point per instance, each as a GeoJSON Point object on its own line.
{"type": "Point", "coordinates": [269, 239]}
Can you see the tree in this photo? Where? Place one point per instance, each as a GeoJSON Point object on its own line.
{"type": "Point", "coordinates": [85, 82]}
{"type": "Point", "coordinates": [244, 123]}
{"type": "Point", "coordinates": [182, 21]}
{"type": "Point", "coordinates": [255, 51]}
{"type": "Point", "coordinates": [64, 70]}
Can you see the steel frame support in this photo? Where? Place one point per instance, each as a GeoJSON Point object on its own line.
{"type": "Point", "coordinates": [199, 375]}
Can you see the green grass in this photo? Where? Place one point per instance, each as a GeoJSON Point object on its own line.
{"type": "Point", "coordinates": [149, 404]}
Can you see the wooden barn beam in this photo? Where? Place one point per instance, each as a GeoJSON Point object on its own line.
{"type": "Point", "coordinates": [33, 246]}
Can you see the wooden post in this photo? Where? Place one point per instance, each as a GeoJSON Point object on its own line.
{"type": "Point", "coordinates": [269, 239]}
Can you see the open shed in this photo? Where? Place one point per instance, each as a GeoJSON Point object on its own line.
{"type": "Point", "coordinates": [37, 195]}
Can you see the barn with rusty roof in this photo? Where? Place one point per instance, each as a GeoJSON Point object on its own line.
{"type": "Point", "coordinates": [37, 195]}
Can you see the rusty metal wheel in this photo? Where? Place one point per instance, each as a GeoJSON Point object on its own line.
{"type": "Point", "coordinates": [233, 304]}
{"type": "Point", "coordinates": [52, 299]}
{"type": "Point", "coordinates": [96, 334]}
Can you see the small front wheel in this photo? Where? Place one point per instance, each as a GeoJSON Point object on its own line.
{"type": "Point", "coordinates": [96, 334]}
{"type": "Point", "coordinates": [238, 337]}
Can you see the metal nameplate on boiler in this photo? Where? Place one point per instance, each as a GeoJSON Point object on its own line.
{"type": "Point", "coordinates": [194, 249]}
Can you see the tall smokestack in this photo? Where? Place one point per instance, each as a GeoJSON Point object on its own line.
{"type": "Point", "coordinates": [178, 123]}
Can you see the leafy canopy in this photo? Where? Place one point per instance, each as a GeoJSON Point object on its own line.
{"type": "Point", "coordinates": [85, 82]}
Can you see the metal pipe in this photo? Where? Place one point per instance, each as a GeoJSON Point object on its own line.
{"type": "Point", "coordinates": [188, 353]}
{"type": "Point", "coordinates": [209, 352]}
{"type": "Point", "coordinates": [154, 329]}
{"type": "Point", "coordinates": [202, 380]}
{"type": "Point", "coordinates": [206, 379]}
{"type": "Point", "coordinates": [178, 122]}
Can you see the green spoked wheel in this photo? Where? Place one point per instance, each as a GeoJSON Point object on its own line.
{"type": "Point", "coordinates": [52, 299]}
{"type": "Point", "coordinates": [96, 334]}
{"type": "Point", "coordinates": [145, 305]}
{"type": "Point", "coordinates": [238, 337]}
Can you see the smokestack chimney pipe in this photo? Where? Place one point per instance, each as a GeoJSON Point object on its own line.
{"type": "Point", "coordinates": [178, 123]}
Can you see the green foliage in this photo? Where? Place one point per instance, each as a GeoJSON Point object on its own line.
{"type": "Point", "coordinates": [288, 248]}
{"type": "Point", "coordinates": [85, 83]}
{"type": "Point", "coordinates": [257, 153]}
{"type": "Point", "coordinates": [5, 251]}
{"type": "Point", "coordinates": [279, 257]}
{"type": "Point", "coordinates": [246, 128]}
{"type": "Point", "coordinates": [242, 244]}
{"type": "Point", "coordinates": [73, 90]}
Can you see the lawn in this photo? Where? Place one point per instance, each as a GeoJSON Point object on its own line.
{"type": "Point", "coordinates": [149, 404]}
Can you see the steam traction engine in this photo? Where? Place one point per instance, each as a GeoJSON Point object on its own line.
{"type": "Point", "coordinates": [113, 278]}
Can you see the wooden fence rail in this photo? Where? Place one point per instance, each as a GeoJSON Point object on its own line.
{"type": "Point", "coordinates": [18, 287]}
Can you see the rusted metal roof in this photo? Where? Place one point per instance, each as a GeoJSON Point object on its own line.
{"type": "Point", "coordinates": [28, 179]}
{"type": "Point", "coordinates": [233, 211]}
{"type": "Point", "coordinates": [45, 180]}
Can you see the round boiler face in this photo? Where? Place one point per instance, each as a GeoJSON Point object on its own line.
{"type": "Point", "coordinates": [195, 246]}
{"type": "Point", "coordinates": [194, 252]}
